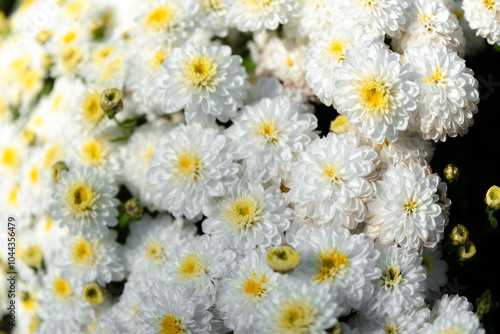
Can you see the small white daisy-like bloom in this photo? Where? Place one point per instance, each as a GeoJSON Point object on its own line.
{"type": "Point", "coordinates": [169, 308]}
{"type": "Point", "coordinates": [330, 181]}
{"type": "Point", "coordinates": [459, 321]}
{"type": "Point", "coordinates": [268, 136]}
{"type": "Point", "coordinates": [450, 304]}
{"type": "Point", "coordinates": [95, 260]}
{"type": "Point", "coordinates": [484, 17]}
{"type": "Point", "coordinates": [298, 307]}
{"type": "Point", "coordinates": [199, 266]}
{"type": "Point", "coordinates": [283, 58]}
{"type": "Point", "coordinates": [257, 16]}
{"type": "Point", "coordinates": [190, 166]}
{"type": "Point", "coordinates": [207, 82]}
{"type": "Point", "coordinates": [431, 22]}
{"type": "Point", "coordinates": [343, 262]}
{"type": "Point", "coordinates": [89, 114]}
{"type": "Point", "coordinates": [327, 53]}
{"type": "Point", "coordinates": [245, 290]}
{"type": "Point", "coordinates": [436, 272]}
{"type": "Point", "coordinates": [402, 285]}
{"type": "Point", "coordinates": [62, 298]}
{"type": "Point", "coordinates": [448, 92]}
{"type": "Point", "coordinates": [250, 216]}
{"type": "Point", "coordinates": [213, 16]}
{"type": "Point", "coordinates": [376, 92]}
{"type": "Point", "coordinates": [406, 322]}
{"type": "Point", "coordinates": [84, 201]}
{"type": "Point", "coordinates": [167, 22]}
{"type": "Point", "coordinates": [154, 241]}
{"type": "Point", "coordinates": [377, 17]}
{"type": "Point", "coordinates": [135, 156]}
{"type": "Point", "coordinates": [107, 65]}
{"type": "Point", "coordinates": [407, 208]}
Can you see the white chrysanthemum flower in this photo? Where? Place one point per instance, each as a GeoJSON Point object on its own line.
{"type": "Point", "coordinates": [169, 308]}
{"type": "Point", "coordinates": [327, 53]}
{"type": "Point", "coordinates": [297, 307]}
{"type": "Point", "coordinates": [250, 216]}
{"type": "Point", "coordinates": [167, 22]}
{"type": "Point", "coordinates": [474, 44]}
{"type": "Point", "coordinates": [245, 290]}
{"type": "Point", "coordinates": [84, 201]}
{"type": "Point", "coordinates": [376, 92]}
{"type": "Point", "coordinates": [107, 65]}
{"type": "Point", "coordinates": [154, 242]}
{"type": "Point", "coordinates": [484, 17]}
{"type": "Point", "coordinates": [330, 181]}
{"type": "Point", "coordinates": [407, 208]}
{"type": "Point", "coordinates": [283, 58]}
{"type": "Point", "coordinates": [377, 17]}
{"type": "Point", "coordinates": [268, 136]}
{"type": "Point", "coordinates": [59, 326]}
{"type": "Point", "coordinates": [190, 166]}
{"type": "Point", "coordinates": [207, 82]}
{"type": "Point", "coordinates": [200, 265]}
{"type": "Point", "coordinates": [343, 262]}
{"type": "Point", "coordinates": [460, 321]}
{"type": "Point", "coordinates": [258, 15]}
{"type": "Point", "coordinates": [110, 322]}
{"type": "Point", "coordinates": [95, 260]}
{"type": "Point", "coordinates": [448, 92]}
{"type": "Point", "coordinates": [135, 156]}
{"type": "Point", "coordinates": [406, 322]}
{"type": "Point", "coordinates": [436, 272]}
{"type": "Point", "coordinates": [213, 16]}
{"type": "Point", "coordinates": [402, 285]}
{"type": "Point", "coordinates": [431, 22]}
{"type": "Point", "coordinates": [315, 18]}
{"type": "Point", "coordinates": [62, 299]}
{"type": "Point", "coordinates": [450, 304]}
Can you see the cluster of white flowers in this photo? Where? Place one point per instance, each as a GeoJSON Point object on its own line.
{"type": "Point", "coordinates": [227, 161]}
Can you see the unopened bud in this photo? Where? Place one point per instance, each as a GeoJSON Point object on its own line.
{"type": "Point", "coordinates": [492, 198]}
{"type": "Point", "coordinates": [451, 173]}
{"type": "Point", "coordinates": [57, 170]}
{"type": "Point", "coordinates": [112, 102]}
{"type": "Point", "coordinates": [467, 251]}
{"type": "Point", "coordinates": [94, 294]}
{"type": "Point", "coordinates": [485, 304]}
{"type": "Point", "coordinates": [337, 329]}
{"type": "Point", "coordinates": [459, 235]}
{"type": "Point", "coordinates": [133, 208]}
{"type": "Point", "coordinates": [283, 259]}
{"type": "Point", "coordinates": [99, 26]}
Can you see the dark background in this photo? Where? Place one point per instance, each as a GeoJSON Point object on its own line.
{"type": "Point", "coordinates": [476, 156]}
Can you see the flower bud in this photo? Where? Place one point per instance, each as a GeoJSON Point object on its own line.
{"type": "Point", "coordinates": [57, 170]}
{"type": "Point", "coordinates": [467, 251]}
{"type": "Point", "coordinates": [94, 294]}
{"type": "Point", "coordinates": [283, 259]}
{"type": "Point", "coordinates": [133, 208]}
{"type": "Point", "coordinates": [485, 304]}
{"type": "Point", "coordinates": [112, 102]}
{"type": "Point", "coordinates": [492, 198]}
{"type": "Point", "coordinates": [459, 235]}
{"type": "Point", "coordinates": [451, 173]}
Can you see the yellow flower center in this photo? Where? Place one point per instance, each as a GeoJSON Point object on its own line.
{"type": "Point", "coordinates": [490, 4]}
{"type": "Point", "coordinates": [340, 124]}
{"type": "Point", "coordinates": [267, 129]}
{"type": "Point", "coordinates": [254, 286]}
{"type": "Point", "coordinates": [437, 77]}
{"type": "Point", "coordinates": [34, 174]}
{"type": "Point", "coordinates": [32, 256]}
{"type": "Point", "coordinates": [258, 4]}
{"type": "Point", "coordinates": [28, 302]}
{"type": "Point", "coordinates": [213, 5]}
{"type": "Point", "coordinates": [337, 48]}
{"type": "Point", "coordinates": [34, 324]}
{"type": "Point", "coordinates": [92, 111]}
{"type": "Point", "coordinates": [101, 54]}
{"type": "Point", "coordinates": [113, 69]}
{"type": "Point", "coordinates": [12, 197]}
{"type": "Point", "coordinates": [10, 158]}
{"type": "Point", "coordinates": [391, 277]}
{"type": "Point", "coordinates": [81, 198]}
{"type": "Point", "coordinates": [331, 264]}
{"type": "Point", "coordinates": [189, 165]}
{"type": "Point", "coordinates": [190, 267]}
{"type": "Point", "coordinates": [295, 317]}
{"type": "Point", "coordinates": [171, 325]}
{"type": "Point", "coordinates": [70, 58]}
{"type": "Point", "coordinates": [81, 251]}
{"type": "Point", "coordinates": [158, 59]}
{"type": "Point", "coordinates": [391, 328]}
{"type": "Point", "coordinates": [93, 152]}
{"type": "Point", "coordinates": [155, 252]}
{"type": "Point", "coordinates": [243, 212]}
{"type": "Point", "coordinates": [201, 71]}
{"type": "Point", "coordinates": [375, 96]}
{"type": "Point", "coordinates": [160, 18]}
{"type": "Point", "coordinates": [410, 207]}
{"type": "Point", "coordinates": [62, 288]}
{"type": "Point", "coordinates": [54, 153]}
{"type": "Point", "coordinates": [69, 37]}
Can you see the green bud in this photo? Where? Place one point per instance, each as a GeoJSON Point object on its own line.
{"type": "Point", "coordinates": [459, 235]}
{"type": "Point", "coordinates": [134, 208]}
{"type": "Point", "coordinates": [94, 294]}
{"type": "Point", "coordinates": [283, 259]}
{"type": "Point", "coordinates": [57, 170]}
{"type": "Point", "coordinates": [467, 251]}
{"type": "Point", "coordinates": [337, 329]}
{"type": "Point", "coordinates": [492, 198]}
{"type": "Point", "coordinates": [485, 304]}
{"type": "Point", "coordinates": [451, 173]}
{"type": "Point", "coordinates": [112, 102]}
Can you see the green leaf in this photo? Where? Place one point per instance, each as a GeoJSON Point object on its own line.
{"type": "Point", "coordinates": [249, 65]}
{"type": "Point", "coordinates": [496, 47]}
{"type": "Point", "coordinates": [128, 123]}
